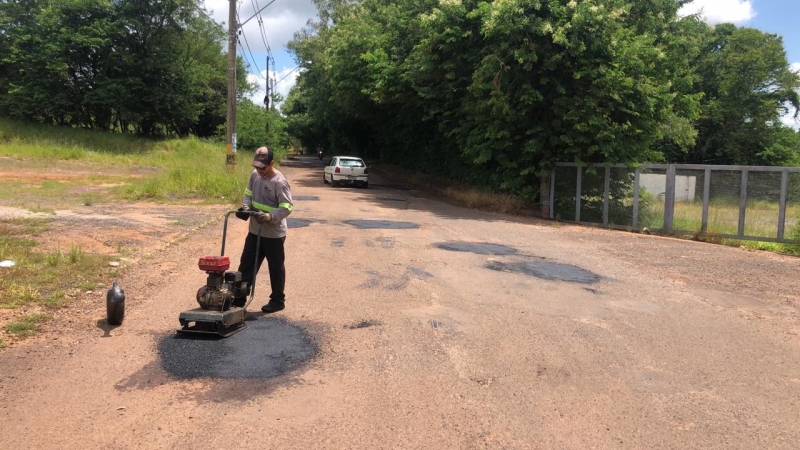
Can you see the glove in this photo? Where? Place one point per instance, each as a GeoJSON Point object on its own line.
{"type": "Point", "coordinates": [242, 213]}
{"type": "Point", "coordinates": [262, 217]}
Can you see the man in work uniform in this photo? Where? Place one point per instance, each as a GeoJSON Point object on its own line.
{"type": "Point", "coordinates": [268, 193]}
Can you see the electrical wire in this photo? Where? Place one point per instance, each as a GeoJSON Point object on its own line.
{"type": "Point", "coordinates": [247, 44]}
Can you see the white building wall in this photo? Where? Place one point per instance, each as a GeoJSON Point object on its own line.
{"type": "Point", "coordinates": [656, 184]}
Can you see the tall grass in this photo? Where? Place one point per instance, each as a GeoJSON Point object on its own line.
{"type": "Point", "coordinates": [170, 170]}
{"type": "Point", "coordinates": [44, 141]}
{"type": "Point", "coordinates": [191, 169]}
{"type": "Point", "coordinates": [761, 218]}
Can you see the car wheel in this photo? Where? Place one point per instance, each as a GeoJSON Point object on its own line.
{"type": "Point", "coordinates": [324, 180]}
{"type": "Point", "coordinates": [365, 185]}
{"type": "Point", "coordinates": [333, 182]}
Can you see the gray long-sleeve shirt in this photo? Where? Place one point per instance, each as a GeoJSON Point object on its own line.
{"type": "Point", "coordinates": [271, 195]}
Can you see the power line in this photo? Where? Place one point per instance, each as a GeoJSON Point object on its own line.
{"type": "Point", "coordinates": [247, 44]}
{"type": "Point", "coordinates": [256, 14]}
{"type": "Point", "coordinates": [284, 77]}
{"type": "Point", "coordinates": [261, 27]}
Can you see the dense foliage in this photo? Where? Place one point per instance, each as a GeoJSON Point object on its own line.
{"type": "Point", "coordinates": [144, 67]}
{"type": "Point", "coordinates": [494, 92]}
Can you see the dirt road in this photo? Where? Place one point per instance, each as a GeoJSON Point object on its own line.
{"type": "Point", "coordinates": [404, 328]}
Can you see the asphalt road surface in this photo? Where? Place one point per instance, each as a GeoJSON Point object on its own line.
{"type": "Point", "coordinates": [414, 324]}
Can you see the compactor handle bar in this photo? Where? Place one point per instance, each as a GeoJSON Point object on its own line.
{"type": "Point", "coordinates": [249, 212]}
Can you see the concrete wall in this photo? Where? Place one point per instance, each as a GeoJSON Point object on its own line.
{"type": "Point", "coordinates": [656, 184]}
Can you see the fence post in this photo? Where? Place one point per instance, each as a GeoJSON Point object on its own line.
{"type": "Point", "coordinates": [578, 197]}
{"type": "Point", "coordinates": [669, 199]}
{"type": "Point", "coordinates": [782, 210]}
{"type": "Point", "coordinates": [544, 195]}
{"type": "Point", "coordinates": [706, 195]}
{"type": "Point", "coordinates": [636, 174]}
{"type": "Point", "coordinates": [743, 202]}
{"type": "Point", "coordinates": [552, 193]}
{"type": "Point", "coordinates": [606, 194]}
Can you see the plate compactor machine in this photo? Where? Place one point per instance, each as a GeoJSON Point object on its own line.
{"type": "Point", "coordinates": [224, 298]}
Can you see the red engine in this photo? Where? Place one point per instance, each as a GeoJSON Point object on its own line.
{"type": "Point", "coordinates": [214, 263]}
{"type": "Point", "coordinates": [223, 289]}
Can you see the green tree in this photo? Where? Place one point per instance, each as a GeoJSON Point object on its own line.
{"type": "Point", "coordinates": [747, 85]}
{"type": "Point", "coordinates": [495, 92]}
{"type": "Point", "coordinates": [257, 126]}
{"type": "Point", "coordinates": [135, 66]}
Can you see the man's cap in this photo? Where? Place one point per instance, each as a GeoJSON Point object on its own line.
{"type": "Point", "coordinates": [262, 157]}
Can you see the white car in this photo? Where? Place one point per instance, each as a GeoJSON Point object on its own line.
{"type": "Point", "coordinates": [346, 169]}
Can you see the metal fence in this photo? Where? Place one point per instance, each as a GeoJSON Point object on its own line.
{"type": "Point", "coordinates": [729, 202]}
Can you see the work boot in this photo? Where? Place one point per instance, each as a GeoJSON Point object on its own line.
{"type": "Point", "coordinates": [272, 306]}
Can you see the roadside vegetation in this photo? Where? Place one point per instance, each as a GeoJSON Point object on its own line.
{"type": "Point", "coordinates": [167, 170]}
{"type": "Point", "coordinates": [42, 281]}
{"type": "Point", "coordinates": [73, 164]}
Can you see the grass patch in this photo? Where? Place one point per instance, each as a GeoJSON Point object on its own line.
{"type": "Point", "coordinates": [39, 209]}
{"type": "Point", "coordinates": [42, 277]}
{"type": "Point", "coordinates": [27, 325]}
{"type": "Point", "coordinates": [169, 171]}
{"type": "Point", "coordinates": [193, 169]}
{"type": "Point", "coordinates": [29, 139]}
{"type": "Point", "coordinates": [3, 343]}
{"type": "Point", "coordinates": [761, 220]}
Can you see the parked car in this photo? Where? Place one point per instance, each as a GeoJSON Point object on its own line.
{"type": "Point", "coordinates": [346, 169]}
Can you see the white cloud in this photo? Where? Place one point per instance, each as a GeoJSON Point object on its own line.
{"type": "Point", "coordinates": [280, 21]}
{"type": "Point", "coordinates": [789, 119]}
{"type": "Point", "coordinates": [718, 11]}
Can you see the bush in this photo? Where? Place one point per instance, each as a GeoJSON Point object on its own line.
{"type": "Point", "coordinates": [794, 236]}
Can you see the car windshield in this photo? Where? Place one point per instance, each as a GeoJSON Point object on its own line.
{"type": "Point", "coordinates": [351, 163]}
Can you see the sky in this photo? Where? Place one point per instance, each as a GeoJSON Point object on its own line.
{"type": "Point", "coordinates": [283, 18]}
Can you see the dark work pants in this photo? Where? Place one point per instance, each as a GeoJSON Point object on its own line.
{"type": "Point", "coordinates": [272, 250]}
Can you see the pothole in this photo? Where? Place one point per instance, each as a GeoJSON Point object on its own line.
{"type": "Point", "coordinates": [381, 224]}
{"type": "Point", "coordinates": [546, 271]}
{"type": "Point", "coordinates": [267, 348]}
{"type": "Point", "coordinates": [481, 248]}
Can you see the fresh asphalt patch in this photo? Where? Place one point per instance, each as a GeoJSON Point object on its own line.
{"type": "Point", "coordinates": [546, 271]}
{"type": "Point", "coordinates": [362, 324]}
{"type": "Point", "coordinates": [297, 223]}
{"type": "Point", "coordinates": [480, 248]}
{"type": "Point", "coordinates": [381, 224]}
{"type": "Point", "coordinates": [267, 348]}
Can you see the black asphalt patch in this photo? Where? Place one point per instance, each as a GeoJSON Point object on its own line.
{"type": "Point", "coordinates": [310, 198]}
{"type": "Point", "coordinates": [267, 348]}
{"type": "Point", "coordinates": [547, 271]}
{"type": "Point", "coordinates": [421, 274]}
{"type": "Point", "coordinates": [297, 223]}
{"type": "Point", "coordinates": [481, 248]}
{"type": "Point", "coordinates": [338, 242]}
{"type": "Point", "coordinates": [381, 224]}
{"type": "Point", "coordinates": [363, 324]}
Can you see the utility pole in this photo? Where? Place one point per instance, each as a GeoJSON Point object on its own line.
{"type": "Point", "coordinates": [231, 118]}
